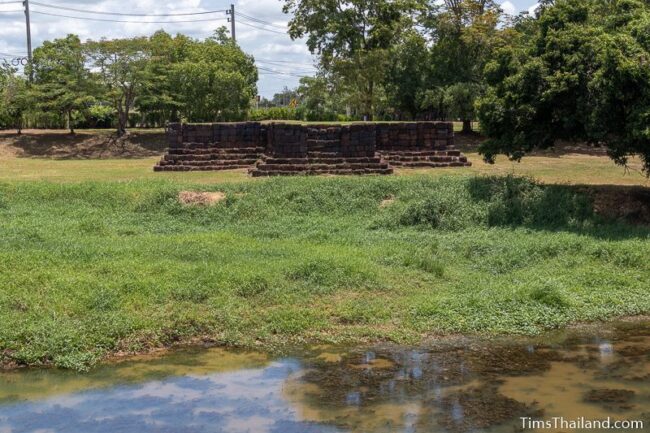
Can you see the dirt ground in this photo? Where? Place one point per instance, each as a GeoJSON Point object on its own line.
{"type": "Point", "coordinates": [84, 144]}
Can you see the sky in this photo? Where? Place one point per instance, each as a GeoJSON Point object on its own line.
{"type": "Point", "coordinates": [280, 60]}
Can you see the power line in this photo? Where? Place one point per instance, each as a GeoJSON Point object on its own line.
{"type": "Point", "coordinates": [287, 70]}
{"type": "Point", "coordinates": [261, 28]}
{"type": "Point", "coordinates": [271, 71]}
{"type": "Point", "coordinates": [125, 21]}
{"type": "Point", "coordinates": [15, 11]}
{"type": "Point", "coordinates": [127, 14]}
{"type": "Point", "coordinates": [284, 61]}
{"type": "Point", "coordinates": [261, 21]}
{"type": "Point", "coordinates": [285, 64]}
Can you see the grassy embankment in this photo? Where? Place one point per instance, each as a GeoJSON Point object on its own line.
{"type": "Point", "coordinates": [93, 268]}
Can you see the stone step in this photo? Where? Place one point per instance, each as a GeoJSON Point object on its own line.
{"type": "Point", "coordinates": [323, 142]}
{"type": "Point", "coordinates": [323, 154]}
{"type": "Point", "coordinates": [323, 160]}
{"type": "Point", "coordinates": [220, 162]}
{"type": "Point", "coordinates": [308, 167]}
{"type": "Point", "coordinates": [212, 156]}
{"type": "Point", "coordinates": [397, 159]}
{"type": "Point", "coordinates": [199, 168]}
{"type": "Point", "coordinates": [257, 172]}
{"type": "Point", "coordinates": [419, 153]}
{"type": "Point", "coordinates": [214, 150]}
{"type": "Point", "coordinates": [431, 164]}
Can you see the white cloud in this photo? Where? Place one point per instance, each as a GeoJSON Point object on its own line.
{"type": "Point", "coordinates": [508, 8]}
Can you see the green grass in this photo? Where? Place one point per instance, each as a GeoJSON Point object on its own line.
{"type": "Point", "coordinates": [93, 268]}
{"type": "Point", "coordinates": [574, 169]}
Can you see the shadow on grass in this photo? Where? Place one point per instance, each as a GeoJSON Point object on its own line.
{"type": "Point", "coordinates": [85, 145]}
{"type": "Point", "coordinates": [605, 211]}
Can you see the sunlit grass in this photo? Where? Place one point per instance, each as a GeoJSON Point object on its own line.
{"type": "Point", "coordinates": [91, 268]}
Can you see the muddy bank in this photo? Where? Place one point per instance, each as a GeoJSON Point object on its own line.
{"type": "Point", "coordinates": [458, 386]}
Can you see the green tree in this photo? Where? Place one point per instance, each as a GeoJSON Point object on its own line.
{"type": "Point", "coordinates": [408, 76]}
{"type": "Point", "coordinates": [159, 101]}
{"type": "Point", "coordinates": [463, 33]}
{"type": "Point", "coordinates": [122, 72]}
{"type": "Point", "coordinates": [14, 98]}
{"type": "Point", "coordinates": [319, 99]}
{"type": "Point", "coordinates": [459, 101]}
{"type": "Point", "coordinates": [62, 83]}
{"type": "Point", "coordinates": [353, 39]}
{"type": "Point", "coordinates": [216, 81]}
{"type": "Point", "coordinates": [285, 97]}
{"type": "Point", "coordinates": [584, 74]}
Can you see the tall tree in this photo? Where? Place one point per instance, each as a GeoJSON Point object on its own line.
{"type": "Point", "coordinates": [583, 75]}
{"type": "Point", "coordinates": [159, 101]}
{"type": "Point", "coordinates": [122, 71]}
{"type": "Point", "coordinates": [463, 34]}
{"type": "Point", "coordinates": [408, 77]}
{"type": "Point", "coordinates": [353, 38]}
{"type": "Point", "coordinates": [216, 81]}
{"type": "Point", "coordinates": [61, 81]}
{"type": "Point", "coordinates": [14, 98]}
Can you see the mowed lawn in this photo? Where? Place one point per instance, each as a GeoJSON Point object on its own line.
{"type": "Point", "coordinates": [571, 169]}
{"type": "Point", "coordinates": [99, 257]}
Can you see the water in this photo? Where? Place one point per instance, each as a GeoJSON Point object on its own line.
{"type": "Point", "coordinates": [459, 385]}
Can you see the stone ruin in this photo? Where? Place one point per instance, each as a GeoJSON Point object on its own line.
{"type": "Point", "coordinates": [269, 149]}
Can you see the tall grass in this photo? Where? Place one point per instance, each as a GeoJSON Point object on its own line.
{"type": "Point", "coordinates": [93, 268]}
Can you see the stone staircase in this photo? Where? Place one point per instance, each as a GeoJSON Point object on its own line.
{"type": "Point", "coordinates": [318, 162]}
{"type": "Point", "coordinates": [206, 157]}
{"type": "Point", "coordinates": [425, 158]}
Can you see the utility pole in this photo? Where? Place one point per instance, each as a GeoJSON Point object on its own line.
{"type": "Point", "coordinates": [231, 20]}
{"type": "Point", "coordinates": [29, 40]}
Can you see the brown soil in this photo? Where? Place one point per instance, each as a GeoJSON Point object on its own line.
{"type": "Point", "coordinates": [482, 407]}
{"type": "Point", "coordinates": [386, 202]}
{"type": "Point", "coordinates": [628, 203]}
{"type": "Point", "coordinates": [200, 198]}
{"type": "Point", "coordinates": [82, 145]}
{"type": "Point", "coordinates": [609, 395]}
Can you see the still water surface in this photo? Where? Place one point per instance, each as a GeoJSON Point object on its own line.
{"type": "Point", "coordinates": [460, 386]}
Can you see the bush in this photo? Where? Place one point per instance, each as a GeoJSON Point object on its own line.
{"type": "Point", "coordinates": [273, 113]}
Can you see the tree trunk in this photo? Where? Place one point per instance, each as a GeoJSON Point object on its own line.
{"type": "Point", "coordinates": [122, 119]}
{"type": "Point", "coordinates": [467, 126]}
{"type": "Point", "coordinates": [369, 97]}
{"type": "Point", "coordinates": [70, 127]}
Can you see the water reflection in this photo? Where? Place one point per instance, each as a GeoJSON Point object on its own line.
{"type": "Point", "coordinates": [474, 386]}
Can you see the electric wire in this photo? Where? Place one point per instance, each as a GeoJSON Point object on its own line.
{"type": "Point", "coordinates": [125, 21]}
{"type": "Point", "coordinates": [127, 14]}
{"type": "Point", "coordinates": [248, 17]}
{"type": "Point", "coordinates": [259, 28]}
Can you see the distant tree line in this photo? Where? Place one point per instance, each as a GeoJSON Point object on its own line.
{"type": "Point", "coordinates": [573, 70]}
{"type": "Point", "coordinates": [127, 82]}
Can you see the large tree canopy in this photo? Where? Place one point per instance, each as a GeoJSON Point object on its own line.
{"type": "Point", "coordinates": [353, 39]}
{"type": "Point", "coordinates": [62, 83]}
{"type": "Point", "coordinates": [583, 74]}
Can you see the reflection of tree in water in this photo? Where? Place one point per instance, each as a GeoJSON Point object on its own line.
{"type": "Point", "coordinates": [454, 389]}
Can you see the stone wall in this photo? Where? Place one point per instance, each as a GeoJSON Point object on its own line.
{"type": "Point", "coordinates": [285, 148]}
{"type": "Point", "coordinates": [415, 136]}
